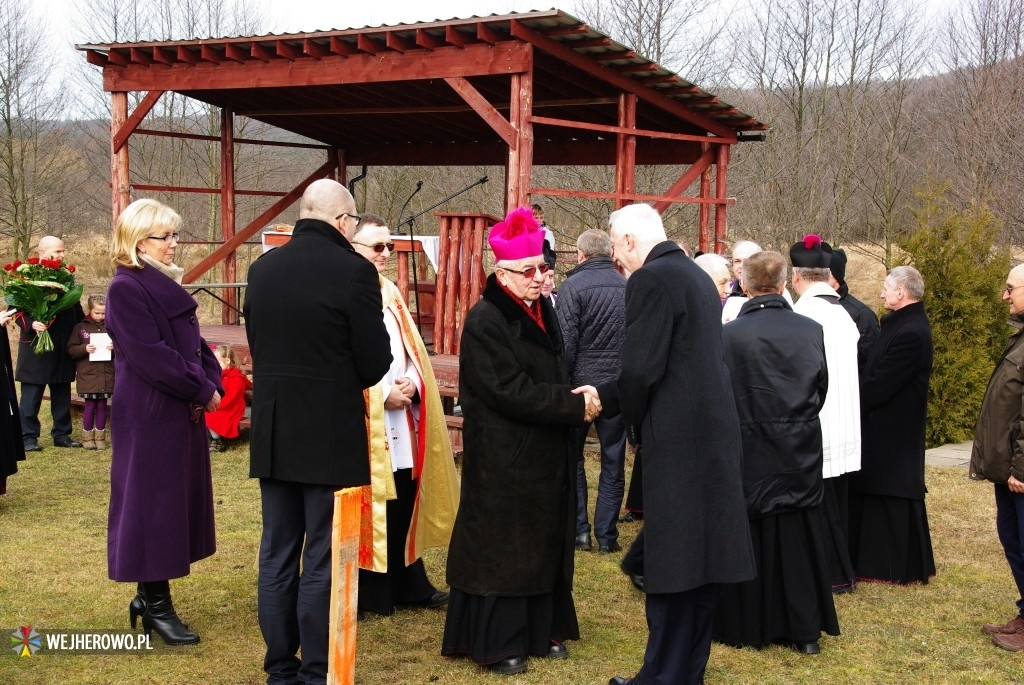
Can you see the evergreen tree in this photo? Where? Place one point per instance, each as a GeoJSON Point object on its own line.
{"type": "Point", "coordinates": [964, 271]}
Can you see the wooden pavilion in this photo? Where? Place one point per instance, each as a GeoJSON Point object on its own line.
{"type": "Point", "coordinates": [515, 91]}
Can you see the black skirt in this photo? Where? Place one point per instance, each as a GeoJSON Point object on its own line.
{"type": "Point", "coordinates": [835, 510]}
{"type": "Point", "coordinates": [790, 600]}
{"type": "Point", "coordinates": [889, 539]}
{"type": "Point", "coordinates": [488, 628]}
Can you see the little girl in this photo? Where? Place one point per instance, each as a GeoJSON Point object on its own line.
{"type": "Point", "coordinates": [94, 379]}
{"type": "Point", "coordinates": [223, 423]}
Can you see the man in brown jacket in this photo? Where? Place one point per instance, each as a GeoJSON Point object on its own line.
{"type": "Point", "coordinates": [998, 456]}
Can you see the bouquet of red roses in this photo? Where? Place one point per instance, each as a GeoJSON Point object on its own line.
{"type": "Point", "coordinates": [41, 288]}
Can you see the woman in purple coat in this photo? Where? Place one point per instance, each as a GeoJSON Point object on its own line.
{"type": "Point", "coordinates": [161, 490]}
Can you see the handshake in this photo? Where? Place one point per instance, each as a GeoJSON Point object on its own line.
{"type": "Point", "coordinates": [592, 402]}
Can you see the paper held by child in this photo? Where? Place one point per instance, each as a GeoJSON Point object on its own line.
{"type": "Point", "coordinates": [102, 343]}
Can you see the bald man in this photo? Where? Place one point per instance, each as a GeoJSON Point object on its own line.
{"type": "Point", "coordinates": [54, 369]}
{"type": "Point", "coordinates": [316, 332]}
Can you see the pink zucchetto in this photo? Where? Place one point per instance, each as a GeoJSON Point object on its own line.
{"type": "Point", "coordinates": [517, 237]}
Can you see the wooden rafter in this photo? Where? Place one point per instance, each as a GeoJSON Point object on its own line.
{"type": "Point", "coordinates": [485, 109]}
{"type": "Point", "coordinates": [120, 137]}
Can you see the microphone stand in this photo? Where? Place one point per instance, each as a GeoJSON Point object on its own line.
{"type": "Point", "coordinates": [412, 236]}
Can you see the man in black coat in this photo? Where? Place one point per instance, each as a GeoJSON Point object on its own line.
{"type": "Point", "coordinates": [675, 396]}
{"type": "Point", "coordinates": [316, 332]}
{"type": "Point", "coordinates": [54, 368]}
{"type": "Point", "coordinates": [889, 536]}
{"type": "Point", "coordinates": [591, 309]}
{"type": "Point", "coordinates": [862, 315]}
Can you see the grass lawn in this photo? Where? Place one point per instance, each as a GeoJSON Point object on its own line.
{"type": "Point", "coordinates": [53, 575]}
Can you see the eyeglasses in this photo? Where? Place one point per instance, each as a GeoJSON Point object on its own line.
{"type": "Point", "coordinates": [165, 238]}
{"type": "Point", "coordinates": [530, 271]}
{"type": "Point", "coordinates": [1010, 288]}
{"type": "Point", "coordinates": [377, 247]}
{"type": "Point", "coordinates": [357, 217]}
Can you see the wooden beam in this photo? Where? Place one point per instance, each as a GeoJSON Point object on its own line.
{"type": "Point", "coordinates": [622, 82]}
{"type": "Point", "coordinates": [602, 42]}
{"type": "Point", "coordinates": [488, 35]}
{"type": "Point", "coordinates": [159, 188]}
{"type": "Point", "coordinates": [240, 141]}
{"type": "Point", "coordinates": [704, 211]}
{"type": "Point", "coordinates": [687, 179]}
{"type": "Point", "coordinates": [520, 157]}
{"type": "Point", "coordinates": [397, 43]}
{"type": "Point", "coordinates": [140, 56]}
{"type": "Point", "coordinates": [118, 58]}
{"type": "Point", "coordinates": [187, 55]}
{"type": "Point", "coordinates": [647, 133]}
{"type": "Point", "coordinates": [163, 56]}
{"type": "Point", "coordinates": [237, 53]}
{"type": "Point", "coordinates": [478, 59]}
{"type": "Point", "coordinates": [427, 40]}
{"type": "Point", "coordinates": [369, 45]}
{"type": "Point", "coordinates": [721, 193]}
{"type": "Point", "coordinates": [96, 58]}
{"type": "Point", "coordinates": [342, 47]}
{"type": "Point", "coordinates": [315, 49]}
{"type": "Point", "coordinates": [208, 54]}
{"type": "Point", "coordinates": [287, 50]}
{"type": "Point", "coordinates": [571, 30]}
{"type": "Point", "coordinates": [614, 56]}
{"type": "Point", "coordinates": [625, 148]}
{"type": "Point", "coordinates": [120, 182]}
{"type": "Point", "coordinates": [635, 68]}
{"type": "Point", "coordinates": [258, 223]}
{"type": "Point", "coordinates": [485, 109]}
{"type": "Point", "coordinates": [455, 37]}
{"type": "Point", "coordinates": [656, 200]}
{"type": "Point", "coordinates": [123, 132]}
{"type": "Point", "coordinates": [229, 312]}
{"type": "Point", "coordinates": [263, 53]}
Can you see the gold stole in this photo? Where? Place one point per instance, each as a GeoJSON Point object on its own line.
{"type": "Point", "coordinates": [437, 490]}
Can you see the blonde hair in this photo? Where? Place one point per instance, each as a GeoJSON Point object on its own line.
{"type": "Point", "coordinates": [227, 354]}
{"type": "Point", "coordinates": [135, 224]}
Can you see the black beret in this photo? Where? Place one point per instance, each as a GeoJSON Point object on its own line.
{"type": "Point", "coordinates": [811, 253]}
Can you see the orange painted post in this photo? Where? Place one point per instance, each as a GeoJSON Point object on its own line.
{"type": "Point", "coordinates": [341, 654]}
{"type": "Point", "coordinates": [441, 284]}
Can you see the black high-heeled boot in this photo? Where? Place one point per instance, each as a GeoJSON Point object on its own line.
{"type": "Point", "coordinates": [137, 606]}
{"type": "Point", "coordinates": [161, 617]}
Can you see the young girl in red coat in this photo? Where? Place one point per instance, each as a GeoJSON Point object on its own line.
{"type": "Point", "coordinates": [223, 423]}
{"type": "Point", "coordinates": [94, 379]}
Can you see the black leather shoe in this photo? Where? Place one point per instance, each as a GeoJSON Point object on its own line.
{"type": "Point", "coordinates": [583, 543]}
{"type": "Point", "coordinates": [33, 447]}
{"type": "Point", "coordinates": [806, 647]}
{"type": "Point", "coordinates": [619, 680]}
{"type": "Point", "coordinates": [509, 666]}
{"type": "Point", "coordinates": [637, 580]}
{"type": "Point", "coordinates": [558, 652]}
{"type": "Point", "coordinates": [437, 600]}
{"type": "Point", "coordinates": [66, 442]}
{"type": "Point", "coordinates": [609, 548]}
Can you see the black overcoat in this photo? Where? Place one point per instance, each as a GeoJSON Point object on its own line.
{"type": "Point", "coordinates": [50, 367]}
{"type": "Point", "coordinates": [675, 392]}
{"type": "Point", "coordinates": [12, 448]}
{"type": "Point", "coordinates": [514, 530]}
{"type": "Point", "coordinates": [894, 407]}
{"type": "Point", "coordinates": [316, 332]}
{"type": "Point", "coordinates": [776, 359]}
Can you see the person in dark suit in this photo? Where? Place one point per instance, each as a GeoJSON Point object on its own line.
{"type": "Point", "coordinates": [889, 537]}
{"type": "Point", "coordinates": [316, 333]}
{"type": "Point", "coordinates": [776, 360]}
{"type": "Point", "coordinates": [55, 368]}
{"type": "Point", "coordinates": [675, 396]}
{"type": "Point", "coordinates": [862, 315]}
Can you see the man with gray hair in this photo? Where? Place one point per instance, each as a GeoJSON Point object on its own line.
{"type": "Point", "coordinates": [316, 331]}
{"type": "Point", "coordinates": [889, 536]}
{"type": "Point", "coordinates": [677, 401]}
{"type": "Point", "coordinates": [591, 310]}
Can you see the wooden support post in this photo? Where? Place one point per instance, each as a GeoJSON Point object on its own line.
{"type": "Point", "coordinates": [520, 158]}
{"type": "Point", "coordinates": [341, 652]}
{"type": "Point", "coordinates": [229, 311]}
{"type": "Point", "coordinates": [120, 182]}
{"type": "Point", "coordinates": [704, 211]}
{"type": "Point", "coordinates": [721, 188]}
{"type": "Point", "coordinates": [625, 149]}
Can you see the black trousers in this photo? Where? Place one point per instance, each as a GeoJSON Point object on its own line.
{"type": "Point", "coordinates": [294, 609]}
{"type": "Point", "coordinates": [60, 410]}
{"type": "Point", "coordinates": [679, 636]}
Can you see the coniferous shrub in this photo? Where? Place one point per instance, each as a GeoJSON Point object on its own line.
{"type": "Point", "coordinates": [964, 273]}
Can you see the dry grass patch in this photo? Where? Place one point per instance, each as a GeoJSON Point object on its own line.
{"type": "Point", "coordinates": [53, 575]}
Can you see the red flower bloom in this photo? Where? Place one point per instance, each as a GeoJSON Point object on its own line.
{"type": "Point", "coordinates": [17, 263]}
{"type": "Point", "coordinates": [71, 268]}
{"type": "Point", "coordinates": [8, 267]}
{"type": "Point", "coordinates": [33, 260]}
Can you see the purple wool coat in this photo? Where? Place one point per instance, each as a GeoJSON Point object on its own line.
{"type": "Point", "coordinates": [161, 490]}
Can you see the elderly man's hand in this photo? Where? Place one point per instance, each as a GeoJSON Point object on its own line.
{"type": "Point", "coordinates": [407, 387]}
{"type": "Point", "coordinates": [39, 326]}
{"type": "Point", "coordinates": [1015, 485]}
{"type": "Point", "coordinates": [214, 402]}
{"type": "Point", "coordinates": [591, 400]}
